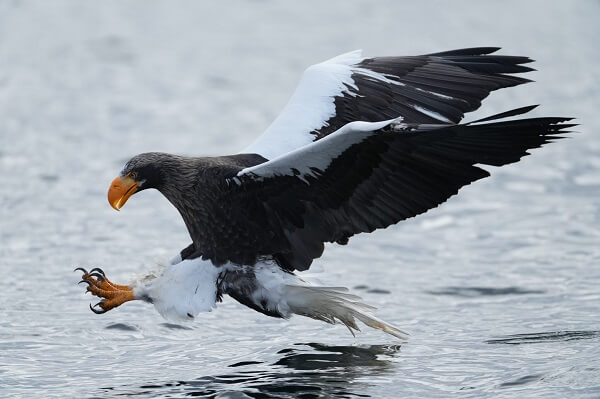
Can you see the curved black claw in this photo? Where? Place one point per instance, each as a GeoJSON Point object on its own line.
{"type": "Point", "coordinates": [98, 276]}
{"type": "Point", "coordinates": [97, 269]}
{"type": "Point", "coordinates": [96, 310]}
{"type": "Point", "coordinates": [81, 269]}
{"type": "Point", "coordinates": [85, 281]}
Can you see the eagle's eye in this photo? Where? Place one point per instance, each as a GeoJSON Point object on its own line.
{"type": "Point", "coordinates": [133, 175]}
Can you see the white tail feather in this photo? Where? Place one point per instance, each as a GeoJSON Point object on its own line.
{"type": "Point", "coordinates": [332, 304]}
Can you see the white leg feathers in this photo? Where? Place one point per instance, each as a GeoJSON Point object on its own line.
{"type": "Point", "coordinates": [182, 290]}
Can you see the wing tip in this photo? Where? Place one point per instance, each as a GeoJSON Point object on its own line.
{"type": "Point", "coordinates": [468, 51]}
{"type": "Point", "coordinates": [506, 114]}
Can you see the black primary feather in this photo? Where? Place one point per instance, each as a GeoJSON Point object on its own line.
{"type": "Point", "coordinates": [431, 88]}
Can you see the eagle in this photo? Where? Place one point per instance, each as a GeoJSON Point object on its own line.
{"type": "Point", "coordinates": [362, 144]}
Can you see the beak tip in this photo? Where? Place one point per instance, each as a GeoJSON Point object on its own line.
{"type": "Point", "coordinates": [120, 190]}
{"type": "Point", "coordinates": [114, 205]}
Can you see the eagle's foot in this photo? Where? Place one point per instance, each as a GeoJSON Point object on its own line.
{"type": "Point", "coordinates": [99, 285]}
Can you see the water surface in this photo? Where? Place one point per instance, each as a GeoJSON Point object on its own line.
{"type": "Point", "coordinates": [499, 287]}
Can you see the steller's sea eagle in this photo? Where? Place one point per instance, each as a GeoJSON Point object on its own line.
{"type": "Point", "coordinates": [362, 144]}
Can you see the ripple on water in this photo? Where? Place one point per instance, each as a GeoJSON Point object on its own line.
{"type": "Point", "coordinates": [521, 381]}
{"type": "Point", "coordinates": [378, 291]}
{"type": "Point", "coordinates": [173, 326]}
{"type": "Point", "coordinates": [366, 288]}
{"type": "Point", "coordinates": [246, 363]}
{"type": "Point", "coordinates": [122, 327]}
{"type": "Point", "coordinates": [541, 337]}
{"type": "Point", "coordinates": [484, 291]}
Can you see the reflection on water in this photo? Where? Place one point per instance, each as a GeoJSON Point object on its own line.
{"type": "Point", "coordinates": [304, 371]}
{"type": "Point", "coordinates": [534, 338]}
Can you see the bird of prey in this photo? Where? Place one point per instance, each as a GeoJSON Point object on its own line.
{"type": "Point", "coordinates": [362, 144]}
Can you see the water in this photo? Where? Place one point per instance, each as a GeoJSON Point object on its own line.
{"type": "Point", "coordinates": [498, 287]}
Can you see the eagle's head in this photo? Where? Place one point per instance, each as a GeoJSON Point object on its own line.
{"type": "Point", "coordinates": [139, 173]}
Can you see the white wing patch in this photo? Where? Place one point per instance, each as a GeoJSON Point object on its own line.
{"type": "Point", "coordinates": [317, 155]}
{"type": "Point", "coordinates": [432, 88]}
{"type": "Point", "coordinates": [312, 104]}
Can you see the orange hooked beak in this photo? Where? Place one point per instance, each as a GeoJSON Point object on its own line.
{"type": "Point", "coordinates": [120, 190]}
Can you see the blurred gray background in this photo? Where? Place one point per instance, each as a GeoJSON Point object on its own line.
{"type": "Point", "coordinates": [499, 286]}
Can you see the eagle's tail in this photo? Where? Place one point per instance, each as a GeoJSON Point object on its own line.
{"type": "Point", "coordinates": [333, 304]}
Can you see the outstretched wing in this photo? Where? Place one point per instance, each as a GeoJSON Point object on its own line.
{"type": "Point", "coordinates": [433, 88]}
{"type": "Point", "coordinates": [363, 177]}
